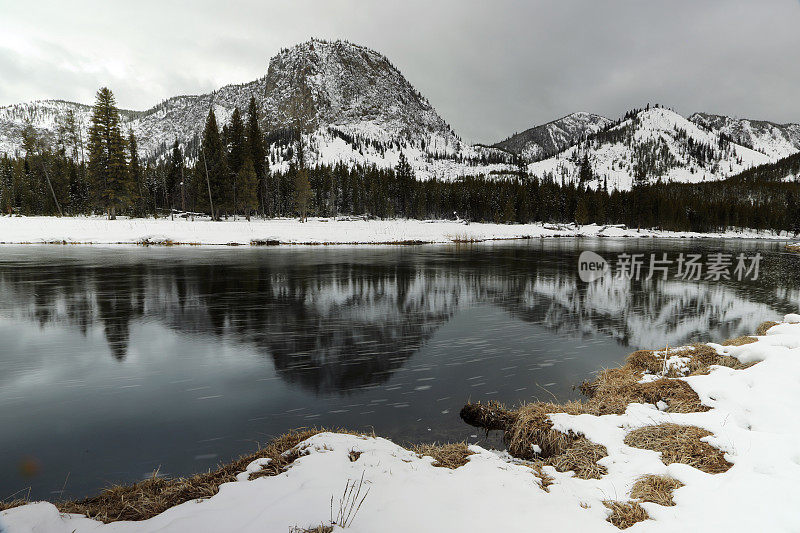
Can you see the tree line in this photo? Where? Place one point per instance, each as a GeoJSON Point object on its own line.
{"type": "Point", "coordinates": [231, 176]}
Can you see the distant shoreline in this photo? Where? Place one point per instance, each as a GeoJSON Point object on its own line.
{"type": "Point", "coordinates": [349, 231]}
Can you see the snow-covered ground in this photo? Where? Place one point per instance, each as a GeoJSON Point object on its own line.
{"type": "Point", "coordinates": [754, 420]}
{"type": "Point", "coordinates": [98, 230]}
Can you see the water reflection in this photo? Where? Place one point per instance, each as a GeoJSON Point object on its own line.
{"type": "Point", "coordinates": [115, 362]}
{"type": "Point", "coordinates": [332, 323]}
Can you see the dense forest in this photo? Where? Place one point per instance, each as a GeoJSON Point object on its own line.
{"type": "Point", "coordinates": [231, 176]}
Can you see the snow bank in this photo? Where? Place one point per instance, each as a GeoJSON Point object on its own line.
{"type": "Point", "coordinates": [754, 420]}
{"type": "Point", "coordinates": [98, 230]}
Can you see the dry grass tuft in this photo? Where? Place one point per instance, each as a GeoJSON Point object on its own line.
{"type": "Point", "coordinates": [354, 455]}
{"type": "Point", "coordinates": [151, 497]}
{"type": "Point", "coordinates": [701, 357]}
{"type": "Point", "coordinates": [544, 478]}
{"type": "Point", "coordinates": [532, 426]}
{"type": "Point", "coordinates": [625, 514]}
{"type": "Point", "coordinates": [529, 434]}
{"type": "Point", "coordinates": [445, 455]}
{"type": "Point", "coordinates": [680, 444]}
{"type": "Point", "coordinates": [740, 341]}
{"type": "Point", "coordinates": [580, 457]}
{"type": "Point", "coordinates": [318, 529]}
{"type": "Point", "coordinates": [615, 388]}
{"type": "Point", "coordinates": [764, 327]}
{"type": "Point", "coordinates": [645, 361]}
{"type": "Point", "coordinates": [655, 489]}
{"type": "Point", "coordinates": [618, 389]}
{"type": "Point", "coordinates": [5, 506]}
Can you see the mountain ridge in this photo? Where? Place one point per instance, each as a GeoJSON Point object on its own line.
{"type": "Point", "coordinates": [649, 145]}
{"type": "Point", "coordinates": [346, 99]}
{"type": "Point", "coordinates": [554, 136]}
{"type": "Point", "coordinates": [353, 106]}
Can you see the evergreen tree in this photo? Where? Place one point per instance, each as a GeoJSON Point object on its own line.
{"type": "Point", "coordinates": [257, 153]}
{"type": "Point", "coordinates": [107, 165]}
{"type": "Point", "coordinates": [139, 196]}
{"type": "Point", "coordinates": [78, 190]}
{"type": "Point", "coordinates": [302, 192]}
{"type": "Point", "coordinates": [582, 211]}
{"type": "Point", "coordinates": [174, 187]}
{"type": "Point", "coordinates": [6, 186]}
{"type": "Point", "coordinates": [237, 146]}
{"type": "Point", "coordinates": [585, 173]}
{"type": "Point", "coordinates": [247, 188]}
{"type": "Point", "coordinates": [212, 157]}
{"type": "Point", "coordinates": [405, 178]}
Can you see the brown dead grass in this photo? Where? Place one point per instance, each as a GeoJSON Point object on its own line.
{"type": "Point", "coordinates": [645, 361]}
{"type": "Point", "coordinates": [532, 426]}
{"type": "Point", "coordinates": [4, 506]}
{"type": "Point", "coordinates": [580, 457]}
{"type": "Point", "coordinates": [701, 358]}
{"type": "Point", "coordinates": [450, 456]}
{"type": "Point", "coordinates": [545, 479]}
{"type": "Point", "coordinates": [655, 489]}
{"type": "Point", "coordinates": [764, 327]}
{"type": "Point", "coordinates": [148, 498]}
{"type": "Point", "coordinates": [610, 393]}
{"type": "Point", "coordinates": [153, 496]}
{"type": "Point", "coordinates": [740, 341]}
{"type": "Point", "coordinates": [680, 444]}
{"type": "Point", "coordinates": [616, 388]}
{"type": "Point", "coordinates": [625, 514]}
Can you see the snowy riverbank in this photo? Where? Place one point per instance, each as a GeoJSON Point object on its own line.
{"type": "Point", "coordinates": [98, 230]}
{"type": "Point", "coordinates": [753, 420]}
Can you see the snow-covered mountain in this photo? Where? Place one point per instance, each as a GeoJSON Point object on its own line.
{"type": "Point", "coordinates": [548, 139]}
{"type": "Point", "coordinates": [648, 146]}
{"type": "Point", "coordinates": [45, 117]}
{"type": "Point", "coordinates": [350, 103]}
{"type": "Point", "coordinates": [775, 140]}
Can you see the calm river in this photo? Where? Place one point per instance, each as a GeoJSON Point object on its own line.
{"type": "Point", "coordinates": [119, 361]}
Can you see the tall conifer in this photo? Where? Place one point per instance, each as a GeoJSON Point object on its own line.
{"type": "Point", "coordinates": [257, 152]}
{"type": "Point", "coordinates": [212, 159]}
{"type": "Point", "coordinates": [107, 164]}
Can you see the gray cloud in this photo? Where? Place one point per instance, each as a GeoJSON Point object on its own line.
{"type": "Point", "coordinates": [490, 68]}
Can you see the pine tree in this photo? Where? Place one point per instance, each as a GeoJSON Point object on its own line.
{"type": "Point", "coordinates": [78, 190]}
{"type": "Point", "coordinates": [174, 184]}
{"type": "Point", "coordinates": [6, 186]}
{"type": "Point", "coordinates": [237, 146]}
{"type": "Point", "coordinates": [139, 196]}
{"type": "Point", "coordinates": [247, 187]}
{"type": "Point", "coordinates": [257, 152]}
{"type": "Point", "coordinates": [582, 210]}
{"type": "Point", "coordinates": [107, 165]}
{"type": "Point", "coordinates": [212, 158]}
{"type": "Point", "coordinates": [302, 192]}
{"type": "Point", "coordinates": [405, 179]}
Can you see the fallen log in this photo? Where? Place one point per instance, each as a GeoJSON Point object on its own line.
{"type": "Point", "coordinates": [490, 417]}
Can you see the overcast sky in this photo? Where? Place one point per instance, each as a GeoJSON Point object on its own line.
{"type": "Point", "coordinates": [489, 68]}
